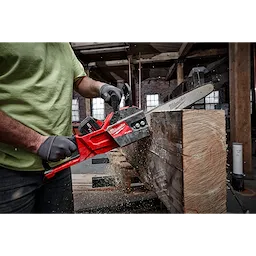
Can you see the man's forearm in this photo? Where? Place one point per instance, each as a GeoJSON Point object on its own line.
{"type": "Point", "coordinates": [15, 133]}
{"type": "Point", "coordinates": [88, 87]}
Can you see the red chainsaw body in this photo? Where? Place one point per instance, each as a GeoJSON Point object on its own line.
{"type": "Point", "coordinates": [92, 144]}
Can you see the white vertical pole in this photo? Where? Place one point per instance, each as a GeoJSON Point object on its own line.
{"type": "Point", "coordinates": [237, 158]}
{"type": "Point", "coordinates": [139, 81]}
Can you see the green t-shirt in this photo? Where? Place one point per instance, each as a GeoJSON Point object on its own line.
{"type": "Point", "coordinates": [36, 85]}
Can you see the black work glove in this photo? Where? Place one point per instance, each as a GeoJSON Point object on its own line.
{"type": "Point", "coordinates": [55, 148]}
{"type": "Point", "coordinates": [111, 95]}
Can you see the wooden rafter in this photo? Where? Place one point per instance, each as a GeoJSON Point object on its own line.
{"type": "Point", "coordinates": [157, 58]}
{"type": "Point", "coordinates": [171, 71]}
{"type": "Point", "coordinates": [184, 49]}
{"type": "Point", "coordinates": [207, 53]}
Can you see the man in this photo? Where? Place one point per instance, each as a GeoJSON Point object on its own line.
{"type": "Point", "coordinates": [36, 85]}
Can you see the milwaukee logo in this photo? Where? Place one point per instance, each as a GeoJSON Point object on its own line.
{"type": "Point", "coordinates": [176, 104]}
{"type": "Point", "coordinates": [118, 129]}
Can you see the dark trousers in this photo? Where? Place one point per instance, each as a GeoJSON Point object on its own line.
{"type": "Point", "coordinates": [30, 192]}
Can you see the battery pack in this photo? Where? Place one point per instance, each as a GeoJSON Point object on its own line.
{"type": "Point", "coordinates": [88, 125]}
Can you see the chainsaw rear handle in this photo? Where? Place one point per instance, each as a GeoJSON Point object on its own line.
{"type": "Point", "coordinates": [45, 163]}
{"type": "Point", "coordinates": [114, 102]}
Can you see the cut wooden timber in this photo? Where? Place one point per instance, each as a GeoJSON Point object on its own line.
{"type": "Point", "coordinates": [184, 160]}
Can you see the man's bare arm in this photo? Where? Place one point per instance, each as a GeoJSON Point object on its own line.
{"type": "Point", "coordinates": [88, 87]}
{"type": "Point", "coordinates": [15, 133]}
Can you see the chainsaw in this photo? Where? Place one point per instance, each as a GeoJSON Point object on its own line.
{"type": "Point", "coordinates": [120, 128]}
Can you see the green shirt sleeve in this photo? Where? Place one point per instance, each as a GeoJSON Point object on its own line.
{"type": "Point", "coordinates": [77, 67]}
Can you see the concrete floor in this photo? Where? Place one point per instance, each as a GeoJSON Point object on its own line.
{"type": "Point", "coordinates": [86, 200]}
{"type": "Point", "coordinates": [247, 197]}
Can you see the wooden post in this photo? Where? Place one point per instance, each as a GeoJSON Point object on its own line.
{"type": "Point", "coordinates": [254, 88]}
{"type": "Point", "coordinates": [135, 88]}
{"type": "Point", "coordinates": [180, 73]}
{"type": "Point", "coordinates": [240, 109]}
{"type": "Point", "coordinates": [184, 160]}
{"type": "Point", "coordinates": [139, 82]}
{"type": "Point", "coordinates": [130, 72]}
{"type": "Point", "coordinates": [88, 101]}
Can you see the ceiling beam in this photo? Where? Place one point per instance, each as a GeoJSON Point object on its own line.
{"type": "Point", "coordinates": [87, 46]}
{"type": "Point", "coordinates": [105, 50]}
{"type": "Point", "coordinates": [171, 71]}
{"type": "Point", "coordinates": [184, 49]}
{"type": "Point", "coordinates": [157, 58]}
{"type": "Point", "coordinates": [207, 53]}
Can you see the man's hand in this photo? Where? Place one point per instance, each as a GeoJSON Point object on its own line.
{"type": "Point", "coordinates": [55, 148]}
{"type": "Point", "coordinates": [111, 95]}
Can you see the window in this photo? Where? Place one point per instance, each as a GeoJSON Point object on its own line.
{"type": "Point", "coordinates": [212, 100]}
{"type": "Point", "coordinates": [75, 110]}
{"type": "Point", "coordinates": [98, 109]}
{"type": "Point", "coordinates": [152, 101]}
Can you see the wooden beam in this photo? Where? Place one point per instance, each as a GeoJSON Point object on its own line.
{"type": "Point", "coordinates": [171, 71]}
{"type": "Point", "coordinates": [87, 101]}
{"type": "Point", "coordinates": [180, 73]}
{"type": "Point", "coordinates": [254, 88]}
{"type": "Point", "coordinates": [116, 76]}
{"type": "Point", "coordinates": [216, 64]}
{"type": "Point", "coordinates": [86, 46]}
{"type": "Point", "coordinates": [139, 83]}
{"type": "Point", "coordinates": [184, 49]}
{"type": "Point", "coordinates": [96, 74]}
{"type": "Point", "coordinates": [184, 160]}
{"type": "Point", "coordinates": [105, 50]}
{"type": "Point", "coordinates": [129, 72]}
{"type": "Point", "coordinates": [207, 53]}
{"type": "Point", "coordinates": [162, 57]}
{"type": "Point", "coordinates": [240, 109]}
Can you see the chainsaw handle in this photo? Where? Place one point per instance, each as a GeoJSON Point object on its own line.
{"type": "Point", "coordinates": [45, 163]}
{"type": "Point", "coordinates": [114, 102]}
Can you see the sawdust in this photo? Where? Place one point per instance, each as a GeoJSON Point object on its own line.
{"type": "Point", "coordinates": [120, 169]}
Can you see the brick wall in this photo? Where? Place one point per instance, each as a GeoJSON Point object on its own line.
{"type": "Point", "coordinates": [149, 86]}
{"type": "Point", "coordinates": [154, 86]}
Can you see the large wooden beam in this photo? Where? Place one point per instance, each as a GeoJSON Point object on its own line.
{"type": "Point", "coordinates": [105, 50]}
{"type": "Point", "coordinates": [207, 53]}
{"type": "Point", "coordinates": [157, 58]}
{"type": "Point", "coordinates": [171, 71]}
{"type": "Point", "coordinates": [180, 73]}
{"type": "Point", "coordinates": [184, 160]}
{"type": "Point", "coordinates": [254, 88]}
{"type": "Point", "coordinates": [240, 109]}
{"type": "Point", "coordinates": [184, 49]}
{"type": "Point", "coordinates": [86, 46]}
